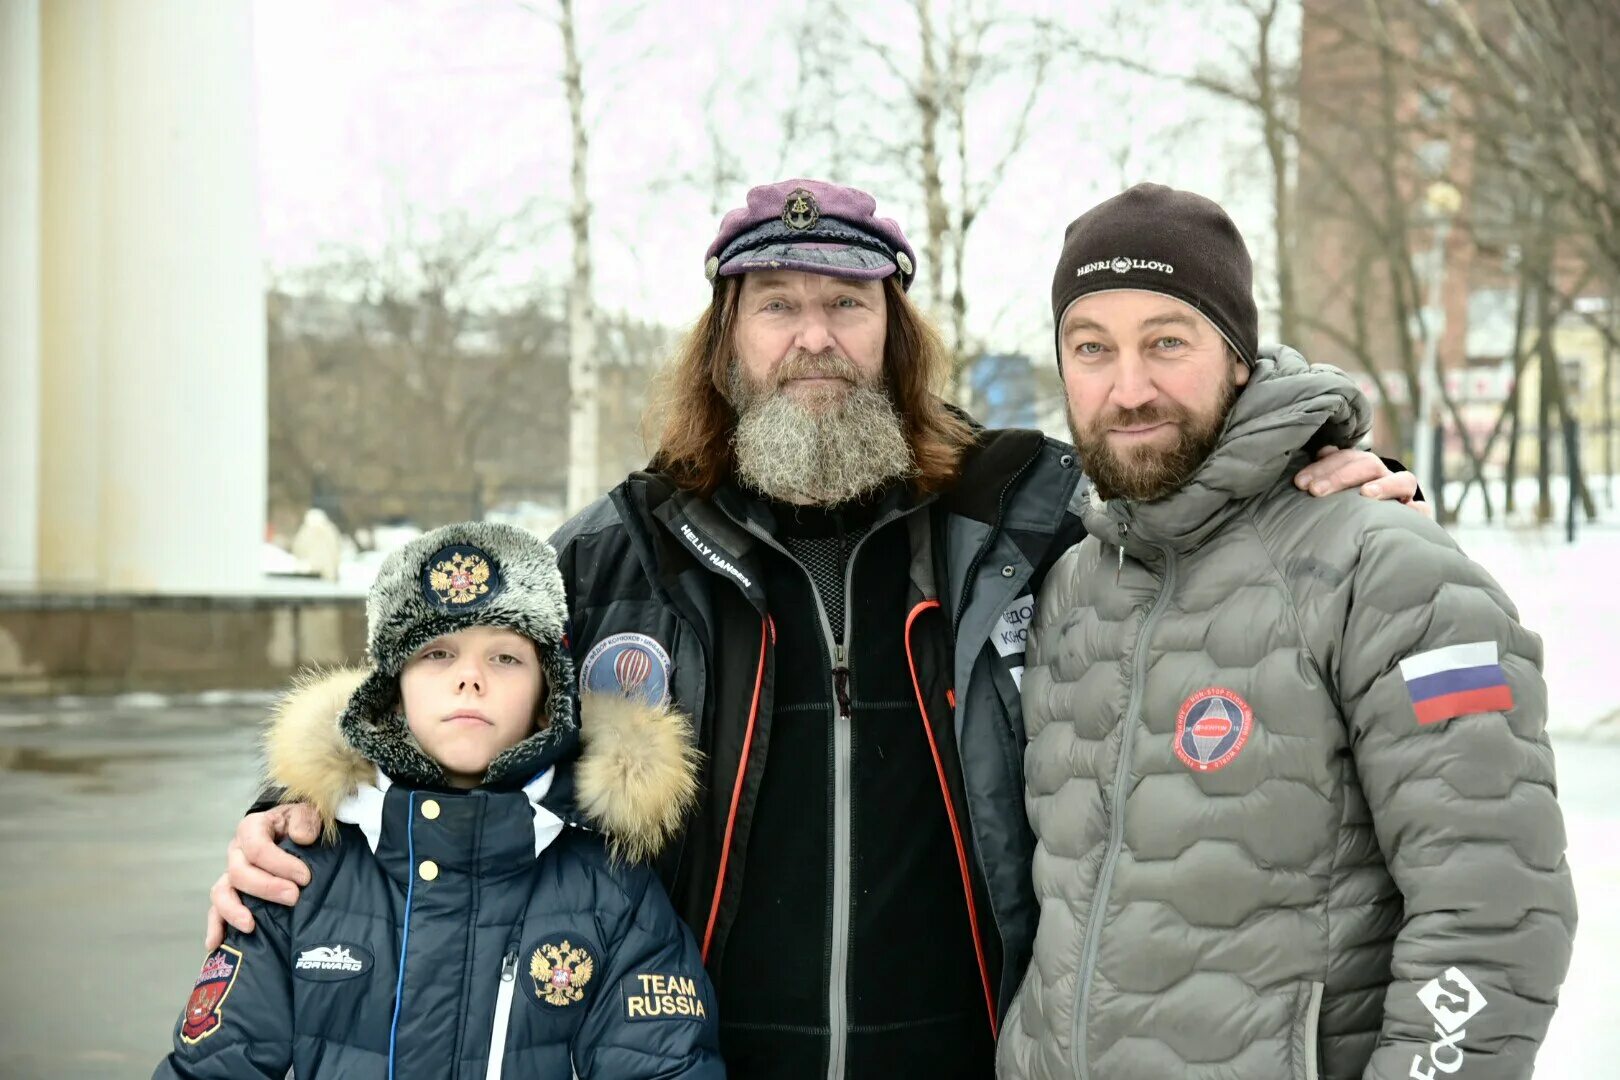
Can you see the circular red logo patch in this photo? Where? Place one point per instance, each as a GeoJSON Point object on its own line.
{"type": "Point", "coordinates": [1211, 729]}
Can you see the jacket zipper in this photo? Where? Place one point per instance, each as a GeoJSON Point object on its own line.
{"type": "Point", "coordinates": [503, 1011]}
{"type": "Point", "coordinates": [843, 753]}
{"type": "Point", "coordinates": [1116, 827]}
{"type": "Point", "coordinates": [843, 740]}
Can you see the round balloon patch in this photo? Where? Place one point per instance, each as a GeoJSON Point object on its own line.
{"type": "Point", "coordinates": [1211, 729]}
{"type": "Point", "coordinates": [631, 664]}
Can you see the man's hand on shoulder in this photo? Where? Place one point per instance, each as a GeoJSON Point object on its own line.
{"type": "Point", "coordinates": [1337, 470]}
{"type": "Point", "coordinates": [255, 865]}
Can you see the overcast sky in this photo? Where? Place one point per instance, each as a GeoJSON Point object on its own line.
{"type": "Point", "coordinates": [373, 108]}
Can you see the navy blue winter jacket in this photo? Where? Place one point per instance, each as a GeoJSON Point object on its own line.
{"type": "Point", "coordinates": [465, 934]}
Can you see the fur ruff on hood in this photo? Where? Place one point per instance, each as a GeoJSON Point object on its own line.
{"type": "Point", "coordinates": [634, 780]}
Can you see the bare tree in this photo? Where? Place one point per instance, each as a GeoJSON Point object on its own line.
{"type": "Point", "coordinates": [1534, 123]}
{"type": "Point", "coordinates": [962, 49]}
{"type": "Point", "coordinates": [583, 481]}
{"type": "Point", "coordinates": [406, 380]}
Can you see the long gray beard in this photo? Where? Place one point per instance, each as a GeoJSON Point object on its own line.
{"type": "Point", "coordinates": [824, 456]}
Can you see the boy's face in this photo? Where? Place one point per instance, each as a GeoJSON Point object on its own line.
{"type": "Point", "coordinates": [471, 694]}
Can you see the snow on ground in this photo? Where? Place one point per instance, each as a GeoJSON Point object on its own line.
{"type": "Point", "coordinates": [1567, 593]}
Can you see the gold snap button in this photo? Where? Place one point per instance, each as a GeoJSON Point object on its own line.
{"type": "Point", "coordinates": [430, 809]}
{"type": "Point", "coordinates": [429, 870]}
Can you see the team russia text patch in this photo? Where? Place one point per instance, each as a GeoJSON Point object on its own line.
{"type": "Point", "coordinates": [1455, 681]}
{"type": "Point", "coordinates": [649, 996]}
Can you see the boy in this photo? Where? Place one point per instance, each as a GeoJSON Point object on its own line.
{"type": "Point", "coordinates": [474, 855]}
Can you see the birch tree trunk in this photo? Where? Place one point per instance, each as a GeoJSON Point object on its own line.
{"type": "Point", "coordinates": [929, 108]}
{"type": "Point", "coordinates": [583, 482]}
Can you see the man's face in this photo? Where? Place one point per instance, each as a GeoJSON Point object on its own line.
{"type": "Point", "coordinates": [1149, 382]}
{"type": "Point", "coordinates": [815, 423]}
{"type": "Point", "coordinates": [471, 694]}
{"type": "Point", "coordinates": [810, 336]}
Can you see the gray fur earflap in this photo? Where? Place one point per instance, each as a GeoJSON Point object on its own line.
{"type": "Point", "coordinates": [475, 573]}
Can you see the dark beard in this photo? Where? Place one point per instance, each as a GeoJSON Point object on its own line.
{"type": "Point", "coordinates": [1146, 473]}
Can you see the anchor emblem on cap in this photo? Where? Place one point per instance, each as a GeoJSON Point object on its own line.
{"type": "Point", "coordinates": [800, 211]}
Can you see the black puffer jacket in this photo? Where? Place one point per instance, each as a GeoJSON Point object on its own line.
{"type": "Point", "coordinates": [673, 591]}
{"type": "Point", "coordinates": [465, 934]}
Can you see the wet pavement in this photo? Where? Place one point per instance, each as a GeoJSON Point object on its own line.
{"type": "Point", "coordinates": [113, 823]}
{"type": "Point", "coordinates": [114, 820]}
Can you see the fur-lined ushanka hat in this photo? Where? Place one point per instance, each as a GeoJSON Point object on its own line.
{"type": "Point", "coordinates": [472, 574]}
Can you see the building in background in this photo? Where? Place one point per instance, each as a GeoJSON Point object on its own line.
{"type": "Point", "coordinates": [1429, 232]}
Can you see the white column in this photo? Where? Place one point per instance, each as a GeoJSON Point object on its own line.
{"type": "Point", "coordinates": [19, 291]}
{"type": "Point", "coordinates": [72, 93]}
{"type": "Point", "coordinates": [154, 327]}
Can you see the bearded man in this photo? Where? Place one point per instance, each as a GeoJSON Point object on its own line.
{"type": "Point", "coordinates": [830, 570]}
{"type": "Point", "coordinates": [1288, 764]}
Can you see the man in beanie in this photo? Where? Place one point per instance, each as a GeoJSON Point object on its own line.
{"type": "Point", "coordinates": [454, 923]}
{"type": "Point", "coordinates": [1287, 767]}
{"type": "Point", "coordinates": [832, 571]}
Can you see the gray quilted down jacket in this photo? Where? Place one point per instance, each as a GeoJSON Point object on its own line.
{"type": "Point", "coordinates": [1290, 780]}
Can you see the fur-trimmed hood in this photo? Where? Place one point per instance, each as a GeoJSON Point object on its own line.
{"type": "Point", "coordinates": [634, 779]}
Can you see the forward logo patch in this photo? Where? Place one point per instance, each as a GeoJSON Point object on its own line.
{"type": "Point", "coordinates": [330, 963]}
{"type": "Point", "coordinates": [1211, 729]}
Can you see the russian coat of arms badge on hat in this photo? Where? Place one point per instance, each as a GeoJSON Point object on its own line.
{"type": "Point", "coordinates": [459, 578]}
{"type": "Point", "coordinates": [800, 211]}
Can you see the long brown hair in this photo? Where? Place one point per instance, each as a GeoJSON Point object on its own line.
{"type": "Point", "coordinates": [697, 421]}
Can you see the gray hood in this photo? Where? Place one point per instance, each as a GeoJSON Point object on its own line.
{"type": "Point", "coordinates": [1287, 410]}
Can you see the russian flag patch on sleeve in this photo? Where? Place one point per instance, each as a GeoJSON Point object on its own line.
{"type": "Point", "coordinates": [1455, 681]}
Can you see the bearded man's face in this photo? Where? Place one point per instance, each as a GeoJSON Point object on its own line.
{"type": "Point", "coordinates": [815, 423]}
{"type": "Point", "coordinates": [1149, 383]}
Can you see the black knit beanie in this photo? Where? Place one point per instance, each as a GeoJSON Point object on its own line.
{"type": "Point", "coordinates": [1160, 240]}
